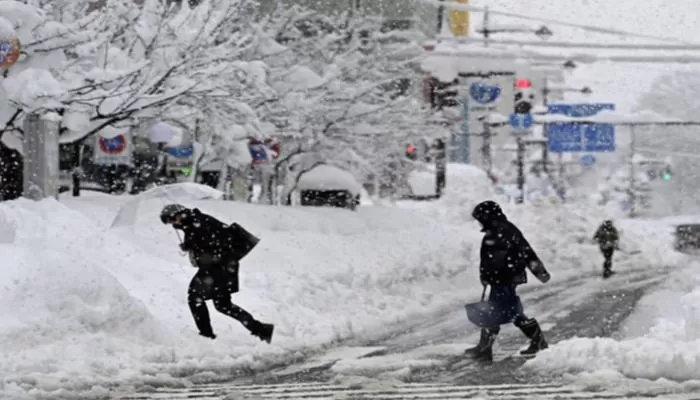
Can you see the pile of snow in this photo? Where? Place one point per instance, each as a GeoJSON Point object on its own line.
{"type": "Point", "coordinates": [186, 191]}
{"type": "Point", "coordinates": [660, 341]}
{"type": "Point", "coordinates": [86, 307]}
{"type": "Point", "coordinates": [460, 178]}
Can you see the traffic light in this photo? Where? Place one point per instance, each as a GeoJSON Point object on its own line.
{"type": "Point", "coordinates": [666, 173]}
{"type": "Point", "coordinates": [524, 97]}
{"type": "Point", "coordinates": [411, 152]}
{"type": "Point", "coordinates": [444, 94]}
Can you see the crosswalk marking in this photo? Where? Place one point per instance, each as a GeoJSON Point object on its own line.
{"type": "Point", "coordinates": [378, 391]}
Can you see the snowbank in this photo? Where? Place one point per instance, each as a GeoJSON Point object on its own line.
{"type": "Point", "coordinates": [86, 307]}
{"type": "Point", "coordinates": [661, 338]}
{"type": "Point", "coordinates": [462, 180]}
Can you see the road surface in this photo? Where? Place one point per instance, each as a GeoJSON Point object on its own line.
{"type": "Point", "coordinates": [425, 362]}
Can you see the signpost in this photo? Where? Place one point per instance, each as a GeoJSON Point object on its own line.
{"type": "Point", "coordinates": [576, 137]}
{"type": "Point", "coordinates": [40, 146]}
{"type": "Point", "coordinates": [481, 95]}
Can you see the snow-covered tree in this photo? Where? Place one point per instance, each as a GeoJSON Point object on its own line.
{"type": "Point", "coordinates": [345, 88]}
{"type": "Point", "coordinates": [129, 65]}
{"type": "Point", "coordinates": [674, 95]}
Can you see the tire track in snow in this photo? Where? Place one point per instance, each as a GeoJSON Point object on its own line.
{"type": "Point", "coordinates": [406, 391]}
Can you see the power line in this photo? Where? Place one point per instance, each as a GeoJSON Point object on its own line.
{"type": "Point", "coordinates": [560, 44]}
{"type": "Point", "coordinates": [589, 28]}
{"type": "Point", "coordinates": [579, 58]}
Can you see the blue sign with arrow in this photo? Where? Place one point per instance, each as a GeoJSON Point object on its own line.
{"type": "Point", "coordinates": [576, 137]}
{"type": "Point", "coordinates": [521, 122]}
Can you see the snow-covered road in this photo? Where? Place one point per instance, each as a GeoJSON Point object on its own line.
{"type": "Point", "coordinates": [424, 360]}
{"type": "Point", "coordinates": [415, 391]}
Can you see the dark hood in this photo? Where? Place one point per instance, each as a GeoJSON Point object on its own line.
{"type": "Point", "coordinates": [190, 217]}
{"type": "Point", "coordinates": [488, 213]}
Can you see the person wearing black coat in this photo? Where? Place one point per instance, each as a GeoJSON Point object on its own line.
{"type": "Point", "coordinates": [505, 257]}
{"type": "Point", "coordinates": [608, 239]}
{"type": "Point", "coordinates": [215, 248]}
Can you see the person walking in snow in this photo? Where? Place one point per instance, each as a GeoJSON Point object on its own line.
{"type": "Point", "coordinates": [215, 248]}
{"type": "Point", "coordinates": [505, 257]}
{"type": "Point", "coordinates": [608, 239]}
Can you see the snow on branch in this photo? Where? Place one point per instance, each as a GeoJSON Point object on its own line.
{"type": "Point", "coordinates": [127, 62]}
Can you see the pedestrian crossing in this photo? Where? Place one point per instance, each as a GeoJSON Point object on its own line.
{"type": "Point", "coordinates": [376, 390]}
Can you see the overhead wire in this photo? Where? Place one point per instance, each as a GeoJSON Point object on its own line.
{"type": "Point", "coordinates": [589, 28]}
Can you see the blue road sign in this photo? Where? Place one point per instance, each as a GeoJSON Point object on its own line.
{"type": "Point", "coordinates": [564, 137]}
{"type": "Point", "coordinates": [521, 121]}
{"type": "Point", "coordinates": [484, 93]}
{"type": "Point", "coordinates": [181, 152]}
{"type": "Point", "coordinates": [587, 160]}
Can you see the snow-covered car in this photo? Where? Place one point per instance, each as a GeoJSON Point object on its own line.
{"type": "Point", "coordinates": [327, 185]}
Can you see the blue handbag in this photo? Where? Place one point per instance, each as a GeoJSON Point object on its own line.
{"type": "Point", "coordinates": [489, 314]}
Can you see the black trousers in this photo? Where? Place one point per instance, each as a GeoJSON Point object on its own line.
{"type": "Point", "coordinates": [208, 285]}
{"type": "Point", "coordinates": [608, 255]}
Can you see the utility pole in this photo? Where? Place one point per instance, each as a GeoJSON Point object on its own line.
{"type": "Point", "coordinates": [545, 149]}
{"type": "Point", "coordinates": [40, 147]}
{"type": "Point", "coordinates": [440, 18]}
{"type": "Point", "coordinates": [521, 171]}
{"type": "Point", "coordinates": [631, 195]}
{"type": "Point", "coordinates": [486, 147]}
{"type": "Point", "coordinates": [485, 28]}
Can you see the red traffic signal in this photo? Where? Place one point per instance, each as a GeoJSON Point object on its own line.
{"type": "Point", "coordinates": [523, 84]}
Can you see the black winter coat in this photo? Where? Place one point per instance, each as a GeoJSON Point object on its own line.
{"type": "Point", "coordinates": [215, 248]}
{"type": "Point", "coordinates": [209, 241]}
{"type": "Point", "coordinates": [505, 253]}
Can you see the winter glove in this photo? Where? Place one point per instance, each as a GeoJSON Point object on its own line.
{"type": "Point", "coordinates": [538, 269]}
{"type": "Point", "coordinates": [544, 277]}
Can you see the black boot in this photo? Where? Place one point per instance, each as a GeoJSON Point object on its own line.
{"type": "Point", "coordinates": [261, 330]}
{"type": "Point", "coordinates": [532, 330]}
{"type": "Point", "coordinates": [483, 351]}
{"type": "Point", "coordinates": [607, 273]}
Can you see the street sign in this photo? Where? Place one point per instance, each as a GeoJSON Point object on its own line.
{"type": "Point", "coordinates": [575, 137]}
{"type": "Point", "coordinates": [480, 96]}
{"type": "Point", "coordinates": [484, 93]}
{"type": "Point", "coordinates": [181, 152]}
{"type": "Point", "coordinates": [114, 150]}
{"type": "Point", "coordinates": [587, 160]}
{"type": "Point", "coordinates": [257, 151]}
{"type": "Point", "coordinates": [521, 122]}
